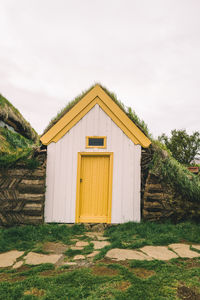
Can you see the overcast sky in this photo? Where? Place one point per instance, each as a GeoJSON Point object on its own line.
{"type": "Point", "coordinates": [146, 51]}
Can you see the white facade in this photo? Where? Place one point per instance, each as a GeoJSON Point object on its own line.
{"type": "Point", "coordinates": [60, 204]}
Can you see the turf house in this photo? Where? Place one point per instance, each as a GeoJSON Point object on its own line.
{"type": "Point", "coordinates": [95, 148]}
{"type": "Point", "coordinates": [94, 163]}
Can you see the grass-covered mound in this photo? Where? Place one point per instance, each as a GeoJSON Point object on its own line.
{"type": "Point", "coordinates": [11, 116]}
{"type": "Point", "coordinates": [183, 183]}
{"type": "Point", "coordinates": [17, 137]}
{"type": "Point", "coordinates": [15, 149]}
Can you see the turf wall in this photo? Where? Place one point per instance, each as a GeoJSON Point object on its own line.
{"type": "Point", "coordinates": [22, 193]}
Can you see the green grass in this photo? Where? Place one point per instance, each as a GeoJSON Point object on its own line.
{"type": "Point", "coordinates": [175, 175]}
{"type": "Point", "coordinates": [155, 280]}
{"type": "Point", "coordinates": [15, 148]}
{"type": "Point", "coordinates": [86, 250]}
{"type": "Point", "coordinates": [27, 237]}
{"type": "Point", "coordinates": [128, 235]}
{"type": "Point", "coordinates": [4, 102]}
{"type": "Point", "coordinates": [135, 235]}
{"type": "Point", "coordinates": [136, 280]}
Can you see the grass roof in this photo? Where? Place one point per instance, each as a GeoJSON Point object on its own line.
{"type": "Point", "coordinates": [11, 116]}
{"type": "Point", "coordinates": [127, 110]}
{"type": "Point", "coordinates": [16, 150]}
{"type": "Point", "coordinates": [16, 146]}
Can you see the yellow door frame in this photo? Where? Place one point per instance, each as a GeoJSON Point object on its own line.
{"type": "Point", "coordinates": [110, 155]}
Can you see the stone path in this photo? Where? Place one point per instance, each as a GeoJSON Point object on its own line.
{"type": "Point", "coordinates": [57, 256]}
{"type": "Point", "coordinates": [36, 258]}
{"type": "Point", "coordinates": [123, 254]}
{"type": "Point", "coordinates": [159, 252]}
{"type": "Point", "coordinates": [7, 259]}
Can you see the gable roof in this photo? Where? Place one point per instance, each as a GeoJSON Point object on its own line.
{"type": "Point", "coordinates": [96, 95]}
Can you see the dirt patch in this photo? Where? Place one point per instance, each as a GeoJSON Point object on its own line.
{"type": "Point", "coordinates": [104, 271]}
{"type": "Point", "coordinates": [8, 277]}
{"type": "Point", "coordinates": [184, 242]}
{"type": "Point", "coordinates": [122, 285]}
{"type": "Point", "coordinates": [55, 248]}
{"type": "Point", "coordinates": [4, 277]}
{"type": "Point", "coordinates": [53, 272]}
{"type": "Point", "coordinates": [17, 278]}
{"type": "Point", "coordinates": [35, 292]}
{"type": "Point", "coordinates": [190, 263]}
{"type": "Point", "coordinates": [23, 268]}
{"type": "Point", "coordinates": [109, 261]}
{"type": "Point", "coordinates": [143, 273]}
{"type": "Point", "coordinates": [193, 263]}
{"type": "Point", "coordinates": [185, 293]}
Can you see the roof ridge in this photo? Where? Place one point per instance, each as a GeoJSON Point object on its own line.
{"type": "Point", "coordinates": [127, 110]}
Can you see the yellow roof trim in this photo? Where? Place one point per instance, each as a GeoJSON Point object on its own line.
{"type": "Point", "coordinates": [96, 96]}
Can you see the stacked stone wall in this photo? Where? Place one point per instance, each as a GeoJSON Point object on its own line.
{"type": "Point", "coordinates": [22, 193]}
{"type": "Point", "coordinates": [160, 203]}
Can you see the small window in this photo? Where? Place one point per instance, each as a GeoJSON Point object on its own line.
{"type": "Point", "coordinates": [95, 142]}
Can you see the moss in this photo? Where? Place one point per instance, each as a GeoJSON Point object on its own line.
{"type": "Point", "coordinates": [23, 157]}
{"type": "Point", "coordinates": [15, 149]}
{"type": "Point", "coordinates": [13, 141]}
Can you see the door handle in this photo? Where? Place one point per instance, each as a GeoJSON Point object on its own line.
{"type": "Point", "coordinates": [81, 179]}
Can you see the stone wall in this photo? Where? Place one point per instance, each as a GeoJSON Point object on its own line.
{"type": "Point", "coordinates": [160, 203]}
{"type": "Point", "coordinates": [22, 193]}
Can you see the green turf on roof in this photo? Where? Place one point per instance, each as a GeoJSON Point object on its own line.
{"type": "Point", "coordinates": [11, 116]}
{"type": "Point", "coordinates": [128, 111]}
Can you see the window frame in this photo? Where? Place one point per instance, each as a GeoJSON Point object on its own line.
{"type": "Point", "coordinates": [96, 137]}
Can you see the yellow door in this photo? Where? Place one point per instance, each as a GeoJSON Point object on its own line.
{"type": "Point", "coordinates": [94, 189]}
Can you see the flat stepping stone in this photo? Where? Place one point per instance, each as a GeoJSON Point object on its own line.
{"type": "Point", "coordinates": [196, 247]}
{"type": "Point", "coordinates": [183, 250]}
{"type": "Point", "coordinates": [102, 238]}
{"type": "Point", "coordinates": [18, 264]}
{"type": "Point", "coordinates": [81, 244]}
{"type": "Point", "coordinates": [36, 258]}
{"type": "Point", "coordinates": [159, 252]}
{"type": "Point", "coordinates": [76, 248]}
{"type": "Point", "coordinates": [100, 244]}
{"type": "Point", "coordinates": [70, 263]}
{"type": "Point", "coordinates": [7, 259]}
{"type": "Point", "coordinates": [77, 257]}
{"type": "Point", "coordinates": [123, 254]}
{"type": "Point", "coordinates": [92, 254]}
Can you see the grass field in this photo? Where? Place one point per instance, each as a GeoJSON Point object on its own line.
{"type": "Point", "coordinates": [105, 279]}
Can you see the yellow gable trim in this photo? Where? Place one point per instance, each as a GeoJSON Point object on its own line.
{"type": "Point", "coordinates": [95, 96]}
